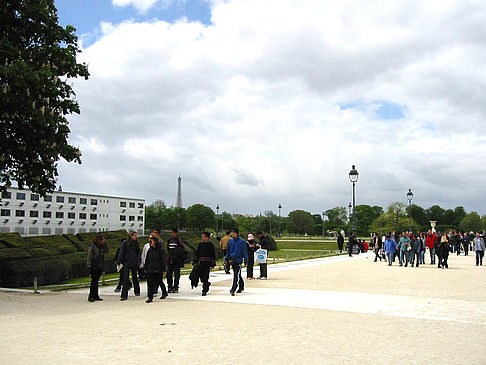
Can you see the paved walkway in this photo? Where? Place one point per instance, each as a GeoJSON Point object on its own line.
{"type": "Point", "coordinates": [329, 310]}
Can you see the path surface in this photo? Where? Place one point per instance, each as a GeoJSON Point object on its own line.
{"type": "Point", "coordinates": [328, 310]}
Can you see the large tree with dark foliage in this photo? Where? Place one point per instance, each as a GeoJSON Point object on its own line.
{"type": "Point", "coordinates": [37, 58]}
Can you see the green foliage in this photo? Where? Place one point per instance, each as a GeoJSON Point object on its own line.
{"type": "Point", "coordinates": [336, 216]}
{"type": "Point", "coordinates": [471, 222]}
{"type": "Point", "coordinates": [37, 59]}
{"type": "Point", "coordinates": [13, 253]}
{"type": "Point", "coordinates": [301, 222]}
{"type": "Point", "coordinates": [200, 217]}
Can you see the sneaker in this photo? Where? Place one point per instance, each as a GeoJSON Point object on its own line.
{"type": "Point", "coordinates": [116, 290]}
{"type": "Point", "coordinates": [164, 296]}
{"type": "Point", "coordinates": [148, 300]}
{"type": "Point", "coordinates": [263, 278]}
{"type": "Point", "coordinates": [99, 299]}
{"type": "Point", "coordinates": [91, 300]}
{"type": "Point", "coordinates": [232, 292]}
{"type": "Point", "coordinates": [240, 291]}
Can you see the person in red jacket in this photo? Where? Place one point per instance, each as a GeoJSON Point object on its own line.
{"type": "Point", "coordinates": [430, 243]}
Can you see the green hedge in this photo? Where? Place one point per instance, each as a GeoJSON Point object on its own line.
{"type": "Point", "coordinates": [13, 253]}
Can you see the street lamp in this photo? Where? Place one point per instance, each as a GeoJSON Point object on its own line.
{"type": "Point", "coordinates": [323, 214]}
{"type": "Point", "coordinates": [353, 177]}
{"type": "Point", "coordinates": [217, 219]}
{"type": "Point", "coordinates": [410, 197]}
{"type": "Point", "coordinates": [279, 222]}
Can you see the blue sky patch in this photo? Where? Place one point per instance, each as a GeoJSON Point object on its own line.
{"type": "Point", "coordinates": [378, 109]}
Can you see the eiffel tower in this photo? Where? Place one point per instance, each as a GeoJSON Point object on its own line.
{"type": "Point", "coordinates": [179, 194]}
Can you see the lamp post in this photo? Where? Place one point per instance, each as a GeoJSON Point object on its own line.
{"type": "Point", "coordinates": [410, 197]}
{"type": "Point", "coordinates": [323, 214]}
{"type": "Point", "coordinates": [353, 177]}
{"type": "Point", "coordinates": [279, 221]}
{"type": "Point", "coordinates": [217, 219]}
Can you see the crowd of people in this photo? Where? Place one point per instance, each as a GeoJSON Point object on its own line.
{"type": "Point", "coordinates": [154, 261]}
{"type": "Point", "coordinates": [411, 249]}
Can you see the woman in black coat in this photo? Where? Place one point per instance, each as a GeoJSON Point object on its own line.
{"type": "Point", "coordinates": [96, 263]}
{"type": "Point", "coordinates": [155, 267]}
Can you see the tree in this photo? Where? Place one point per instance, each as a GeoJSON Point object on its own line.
{"type": "Point", "coordinates": [300, 221]}
{"type": "Point", "coordinates": [336, 216]}
{"type": "Point", "coordinates": [418, 215]}
{"type": "Point", "coordinates": [435, 213]}
{"type": "Point", "coordinates": [471, 222]}
{"type": "Point", "coordinates": [200, 217]}
{"type": "Point", "coordinates": [394, 219]}
{"type": "Point", "coordinates": [365, 215]}
{"type": "Point", "coordinates": [459, 213]}
{"type": "Point", "coordinates": [37, 59]}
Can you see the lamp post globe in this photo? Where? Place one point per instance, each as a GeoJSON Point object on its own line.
{"type": "Point", "coordinates": [353, 177]}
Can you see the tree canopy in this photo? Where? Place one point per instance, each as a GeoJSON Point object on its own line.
{"type": "Point", "coordinates": [37, 58]}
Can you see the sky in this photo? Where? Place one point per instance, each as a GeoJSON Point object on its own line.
{"type": "Point", "coordinates": [257, 103]}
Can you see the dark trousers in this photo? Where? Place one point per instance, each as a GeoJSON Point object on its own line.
{"type": "Point", "coordinates": [443, 261]}
{"type": "Point", "coordinates": [154, 280]}
{"type": "Point", "coordinates": [237, 279]}
{"type": "Point", "coordinates": [340, 247]}
{"type": "Point", "coordinates": [249, 265]}
{"type": "Point", "coordinates": [466, 249]}
{"type": "Point", "coordinates": [126, 281]}
{"type": "Point", "coordinates": [377, 255]}
{"type": "Point", "coordinates": [204, 276]}
{"type": "Point", "coordinates": [263, 270]}
{"type": "Point", "coordinates": [93, 288]}
{"type": "Point", "coordinates": [479, 258]}
{"type": "Point", "coordinates": [226, 266]}
{"type": "Point", "coordinates": [417, 255]}
{"type": "Point", "coordinates": [173, 270]}
{"type": "Point", "coordinates": [350, 249]}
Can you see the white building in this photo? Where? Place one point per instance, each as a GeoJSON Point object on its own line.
{"type": "Point", "coordinates": [62, 212]}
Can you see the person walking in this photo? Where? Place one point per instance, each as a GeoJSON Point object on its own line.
{"type": "Point", "coordinates": [234, 257]}
{"type": "Point", "coordinates": [351, 242]}
{"type": "Point", "coordinates": [378, 246]}
{"type": "Point", "coordinates": [96, 263]}
{"type": "Point", "coordinates": [120, 280]}
{"type": "Point", "coordinates": [263, 243]}
{"type": "Point", "coordinates": [129, 257]}
{"type": "Point", "coordinates": [176, 256]}
{"type": "Point", "coordinates": [466, 240]}
{"type": "Point", "coordinates": [478, 247]}
{"type": "Point", "coordinates": [205, 258]}
{"type": "Point", "coordinates": [155, 268]}
{"type": "Point", "coordinates": [430, 241]}
{"type": "Point", "coordinates": [445, 247]}
{"type": "Point", "coordinates": [416, 250]}
{"type": "Point", "coordinates": [390, 249]}
{"type": "Point", "coordinates": [340, 242]}
{"type": "Point", "coordinates": [405, 248]}
{"type": "Point", "coordinates": [251, 248]}
{"type": "Point", "coordinates": [223, 243]}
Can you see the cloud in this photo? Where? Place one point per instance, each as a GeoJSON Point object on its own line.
{"type": "Point", "coordinates": [274, 101]}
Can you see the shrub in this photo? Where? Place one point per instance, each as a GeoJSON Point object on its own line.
{"type": "Point", "coordinates": [67, 249]}
{"type": "Point", "coordinates": [41, 251]}
{"type": "Point", "coordinates": [13, 253]}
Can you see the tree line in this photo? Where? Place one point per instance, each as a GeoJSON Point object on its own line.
{"type": "Point", "coordinates": [369, 219]}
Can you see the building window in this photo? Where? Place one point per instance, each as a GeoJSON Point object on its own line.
{"type": "Point", "coordinates": [123, 204]}
{"type": "Point", "coordinates": [140, 205]}
{"type": "Point", "coordinates": [20, 196]}
{"type": "Point", "coordinates": [140, 218]}
{"type": "Point", "coordinates": [82, 215]}
{"type": "Point", "coordinates": [20, 213]}
{"type": "Point", "coordinates": [83, 201]}
{"type": "Point", "coordinates": [132, 205]}
{"type": "Point", "coordinates": [34, 213]}
{"type": "Point", "coordinates": [123, 218]}
{"type": "Point", "coordinates": [94, 202]}
{"type": "Point", "coordinates": [48, 198]}
{"type": "Point", "coordinates": [93, 216]}
{"type": "Point", "coordinates": [34, 197]}
{"type": "Point", "coordinates": [71, 215]}
{"type": "Point", "coordinates": [34, 231]}
{"type": "Point", "coordinates": [46, 230]}
{"type": "Point", "coordinates": [5, 213]}
{"type": "Point", "coordinates": [6, 195]}
{"type": "Point", "coordinates": [60, 215]}
{"type": "Point", "coordinates": [131, 218]}
{"type": "Point", "coordinates": [46, 214]}
{"type": "Point", "coordinates": [72, 200]}
{"type": "Point", "coordinates": [59, 199]}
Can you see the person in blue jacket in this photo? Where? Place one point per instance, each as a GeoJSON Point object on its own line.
{"type": "Point", "coordinates": [235, 253]}
{"type": "Point", "coordinates": [390, 248]}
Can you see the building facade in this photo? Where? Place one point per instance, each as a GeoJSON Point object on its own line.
{"type": "Point", "coordinates": [68, 213]}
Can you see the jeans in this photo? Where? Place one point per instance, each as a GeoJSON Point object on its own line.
{"type": "Point", "coordinates": [237, 279]}
{"type": "Point", "coordinates": [93, 288]}
{"type": "Point", "coordinates": [126, 281]}
{"type": "Point", "coordinates": [479, 258]}
{"type": "Point", "coordinates": [422, 257]}
{"type": "Point", "coordinates": [402, 257]}
{"type": "Point", "coordinates": [390, 257]}
{"type": "Point", "coordinates": [432, 255]}
{"type": "Point", "coordinates": [173, 269]}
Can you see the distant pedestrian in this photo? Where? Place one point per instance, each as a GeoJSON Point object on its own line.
{"type": "Point", "coordinates": [479, 247]}
{"type": "Point", "coordinates": [417, 247]}
{"type": "Point", "coordinates": [155, 268]}
{"type": "Point", "coordinates": [390, 248]}
{"type": "Point", "coordinates": [251, 248]}
{"type": "Point", "coordinates": [234, 256]}
{"type": "Point", "coordinates": [405, 248]}
{"type": "Point", "coordinates": [445, 247]}
{"type": "Point", "coordinates": [176, 256]}
{"type": "Point", "coordinates": [96, 263]}
{"type": "Point", "coordinates": [466, 240]}
{"type": "Point", "coordinates": [205, 258]}
{"type": "Point", "coordinates": [351, 242]}
{"type": "Point", "coordinates": [263, 243]}
{"type": "Point", "coordinates": [340, 242]}
{"type": "Point", "coordinates": [223, 243]}
{"type": "Point", "coordinates": [430, 241]}
{"type": "Point", "coordinates": [120, 279]}
{"type": "Point", "coordinates": [129, 257]}
{"type": "Point", "coordinates": [378, 246]}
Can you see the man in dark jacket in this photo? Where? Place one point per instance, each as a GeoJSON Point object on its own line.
{"type": "Point", "coordinates": [155, 267]}
{"type": "Point", "coordinates": [234, 256]}
{"type": "Point", "coordinates": [176, 255]}
{"type": "Point", "coordinates": [340, 242]}
{"type": "Point", "coordinates": [264, 243]}
{"type": "Point", "coordinates": [351, 242]}
{"type": "Point", "coordinates": [206, 260]}
{"type": "Point", "coordinates": [378, 243]}
{"type": "Point", "coordinates": [96, 263]}
{"type": "Point", "coordinates": [129, 257]}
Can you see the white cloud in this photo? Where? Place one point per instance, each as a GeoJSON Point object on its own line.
{"type": "Point", "coordinates": [249, 109]}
